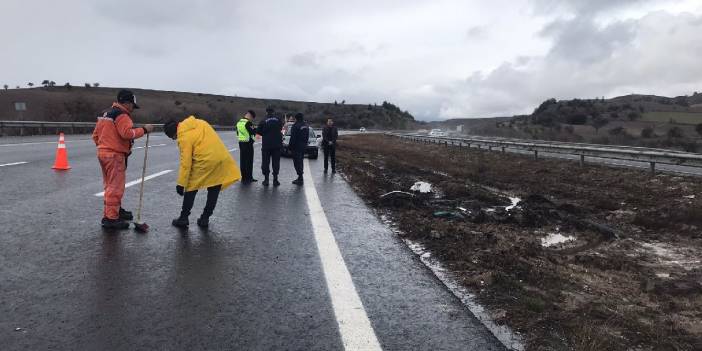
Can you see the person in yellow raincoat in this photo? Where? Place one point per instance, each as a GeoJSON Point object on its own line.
{"type": "Point", "coordinates": [204, 163]}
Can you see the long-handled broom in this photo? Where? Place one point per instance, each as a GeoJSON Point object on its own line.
{"type": "Point", "coordinates": [140, 226]}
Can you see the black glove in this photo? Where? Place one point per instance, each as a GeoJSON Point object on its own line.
{"type": "Point", "coordinates": [180, 190]}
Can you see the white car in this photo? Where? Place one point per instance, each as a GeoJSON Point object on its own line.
{"type": "Point", "coordinates": [362, 130]}
{"type": "Point", "coordinates": [437, 132]}
{"type": "Point", "coordinates": [312, 149]}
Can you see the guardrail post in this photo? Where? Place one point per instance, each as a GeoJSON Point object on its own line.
{"type": "Point", "coordinates": [653, 168]}
{"type": "Point", "coordinates": [536, 154]}
{"type": "Point", "coordinates": [582, 160]}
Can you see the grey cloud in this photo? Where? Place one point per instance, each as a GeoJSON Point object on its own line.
{"type": "Point", "coordinates": [581, 40]}
{"type": "Point", "coordinates": [476, 32]}
{"type": "Point", "coordinates": [582, 7]}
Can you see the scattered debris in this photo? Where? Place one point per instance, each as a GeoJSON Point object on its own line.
{"type": "Point", "coordinates": [594, 286]}
{"type": "Point", "coordinates": [555, 238]}
{"type": "Point", "coordinates": [421, 187]}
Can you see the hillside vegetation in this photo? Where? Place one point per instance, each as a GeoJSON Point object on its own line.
{"type": "Point", "coordinates": [67, 103]}
{"type": "Point", "coordinates": [642, 120]}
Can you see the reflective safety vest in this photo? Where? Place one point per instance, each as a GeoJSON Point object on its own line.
{"type": "Point", "coordinates": [243, 133]}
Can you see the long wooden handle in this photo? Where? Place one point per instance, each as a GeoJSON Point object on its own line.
{"type": "Point", "coordinates": [143, 174]}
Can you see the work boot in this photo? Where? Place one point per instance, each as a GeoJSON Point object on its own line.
{"type": "Point", "coordinates": [325, 170]}
{"type": "Point", "coordinates": [253, 180]}
{"type": "Point", "coordinates": [125, 215]}
{"type": "Point", "coordinates": [333, 170]}
{"type": "Point", "coordinates": [181, 222]}
{"type": "Point", "coordinates": [203, 222]}
{"type": "Point", "coordinates": [298, 181]}
{"type": "Point", "coordinates": [114, 223]}
{"type": "Point", "coordinates": [275, 181]}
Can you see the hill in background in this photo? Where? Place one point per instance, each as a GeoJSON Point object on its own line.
{"type": "Point", "coordinates": [83, 104]}
{"type": "Point", "coordinates": [640, 120]}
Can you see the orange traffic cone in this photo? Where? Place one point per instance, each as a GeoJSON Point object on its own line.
{"type": "Point", "coordinates": [61, 162]}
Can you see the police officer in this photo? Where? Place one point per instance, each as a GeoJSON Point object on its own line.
{"type": "Point", "coordinates": [271, 133]}
{"type": "Point", "coordinates": [299, 137]}
{"type": "Point", "coordinates": [247, 135]}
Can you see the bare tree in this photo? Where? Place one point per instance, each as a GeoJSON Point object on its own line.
{"type": "Point", "coordinates": [97, 85]}
{"type": "Point", "coordinates": [30, 84]}
{"type": "Point", "coordinates": [5, 86]}
{"type": "Point", "coordinates": [52, 83]}
{"type": "Point", "coordinates": [45, 83]}
{"type": "Point", "coordinates": [87, 85]}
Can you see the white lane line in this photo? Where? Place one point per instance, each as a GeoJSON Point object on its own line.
{"type": "Point", "coordinates": [234, 149]}
{"type": "Point", "coordinates": [354, 326]}
{"type": "Point", "coordinates": [150, 146]}
{"type": "Point", "coordinates": [13, 164]}
{"type": "Point", "coordinates": [138, 181]}
{"type": "Point", "coordinates": [43, 142]}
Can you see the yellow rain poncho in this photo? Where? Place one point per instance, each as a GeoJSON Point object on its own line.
{"type": "Point", "coordinates": [204, 160]}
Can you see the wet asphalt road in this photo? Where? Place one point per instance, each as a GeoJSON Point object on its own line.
{"type": "Point", "coordinates": [253, 281]}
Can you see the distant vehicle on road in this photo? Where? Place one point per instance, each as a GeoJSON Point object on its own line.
{"type": "Point", "coordinates": [362, 130]}
{"type": "Point", "coordinates": [437, 132]}
{"type": "Point", "coordinates": [312, 149]}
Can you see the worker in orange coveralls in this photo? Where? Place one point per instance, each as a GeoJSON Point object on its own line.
{"type": "Point", "coordinates": [114, 135]}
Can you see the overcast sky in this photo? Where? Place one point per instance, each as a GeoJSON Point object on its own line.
{"type": "Point", "coordinates": [437, 58]}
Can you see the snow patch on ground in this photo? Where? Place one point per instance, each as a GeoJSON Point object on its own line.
{"type": "Point", "coordinates": [669, 255]}
{"type": "Point", "coordinates": [515, 202]}
{"type": "Point", "coordinates": [422, 187]}
{"type": "Point", "coordinates": [555, 239]}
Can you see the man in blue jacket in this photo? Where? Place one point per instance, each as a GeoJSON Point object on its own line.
{"type": "Point", "coordinates": [271, 131]}
{"type": "Point", "coordinates": [299, 137]}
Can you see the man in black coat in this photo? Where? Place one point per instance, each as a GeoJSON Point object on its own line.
{"type": "Point", "coordinates": [271, 133]}
{"type": "Point", "coordinates": [329, 136]}
{"type": "Point", "coordinates": [299, 137]}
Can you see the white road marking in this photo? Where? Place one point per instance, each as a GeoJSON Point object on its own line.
{"type": "Point", "coordinates": [354, 326]}
{"type": "Point", "coordinates": [43, 142]}
{"type": "Point", "coordinates": [150, 146]}
{"type": "Point", "coordinates": [230, 150]}
{"type": "Point", "coordinates": [138, 181]}
{"type": "Point", "coordinates": [13, 164]}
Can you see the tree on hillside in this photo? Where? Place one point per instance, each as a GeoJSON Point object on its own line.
{"type": "Point", "coordinates": [698, 129]}
{"type": "Point", "coordinates": [647, 132]}
{"type": "Point", "coordinates": [52, 83]}
{"type": "Point", "coordinates": [599, 122]}
{"type": "Point", "coordinates": [675, 132]}
{"type": "Point", "coordinates": [68, 86]}
{"type": "Point", "coordinates": [87, 85]}
{"type": "Point", "coordinates": [45, 83]}
{"type": "Point", "coordinates": [5, 86]}
{"type": "Point", "coordinates": [96, 85]}
{"type": "Point", "coordinates": [17, 87]}
{"type": "Point", "coordinates": [30, 84]}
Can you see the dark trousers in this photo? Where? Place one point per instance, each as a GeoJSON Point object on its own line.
{"type": "Point", "coordinates": [189, 200]}
{"type": "Point", "coordinates": [246, 156]}
{"type": "Point", "coordinates": [270, 156]}
{"type": "Point", "coordinates": [298, 159]}
{"type": "Point", "coordinates": [330, 153]}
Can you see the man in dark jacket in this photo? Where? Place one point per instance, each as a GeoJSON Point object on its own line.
{"type": "Point", "coordinates": [247, 135]}
{"type": "Point", "coordinates": [299, 137]}
{"type": "Point", "coordinates": [271, 133]}
{"type": "Point", "coordinates": [329, 136]}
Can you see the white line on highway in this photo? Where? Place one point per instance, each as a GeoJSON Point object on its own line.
{"type": "Point", "coordinates": [354, 326]}
{"type": "Point", "coordinates": [13, 164]}
{"type": "Point", "coordinates": [230, 150]}
{"type": "Point", "coordinates": [43, 142]}
{"type": "Point", "coordinates": [150, 146]}
{"type": "Point", "coordinates": [138, 181]}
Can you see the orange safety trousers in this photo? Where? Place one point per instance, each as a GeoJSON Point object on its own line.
{"type": "Point", "coordinates": [113, 176]}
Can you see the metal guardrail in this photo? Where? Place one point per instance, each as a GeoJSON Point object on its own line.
{"type": "Point", "coordinates": [625, 153]}
{"type": "Point", "coordinates": [28, 127]}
